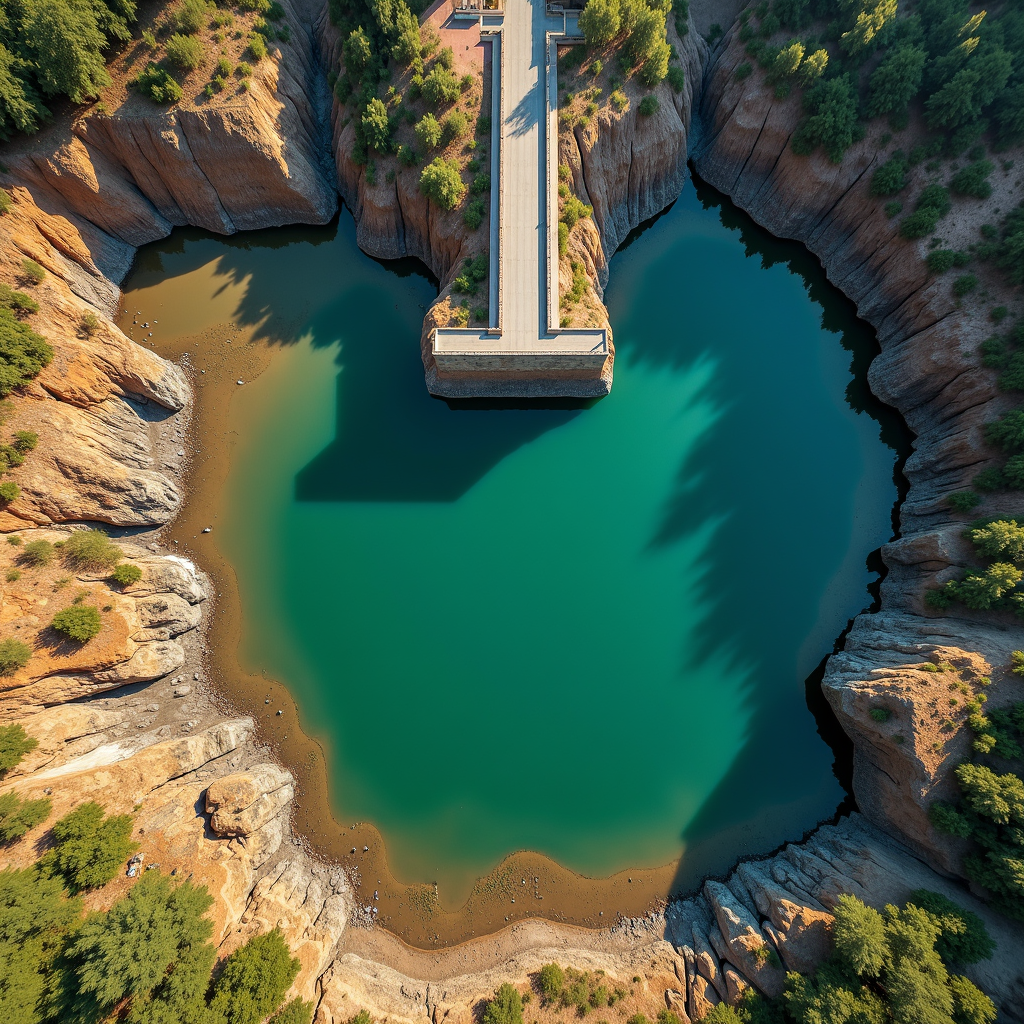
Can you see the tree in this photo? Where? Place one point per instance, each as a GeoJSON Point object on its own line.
{"type": "Point", "coordinates": [152, 948]}
{"type": "Point", "coordinates": [1000, 798]}
{"type": "Point", "coordinates": [964, 939]}
{"type": "Point", "coordinates": [552, 981]}
{"type": "Point", "coordinates": [505, 1008]}
{"type": "Point", "coordinates": [813, 67]}
{"type": "Point", "coordinates": [859, 936]}
{"type": "Point", "coordinates": [78, 622]}
{"type": "Point", "coordinates": [428, 131]}
{"type": "Point", "coordinates": [409, 41]}
{"type": "Point", "coordinates": [896, 81]}
{"type": "Point", "coordinates": [14, 745]}
{"type": "Point", "coordinates": [13, 655]}
{"type": "Point", "coordinates": [1002, 539]}
{"type": "Point", "coordinates": [17, 816]}
{"type": "Point", "coordinates": [1007, 432]}
{"type": "Point", "coordinates": [185, 52]}
{"type": "Point", "coordinates": [20, 108]}
{"type": "Point", "coordinates": [984, 590]}
{"type": "Point", "coordinates": [869, 24]}
{"type": "Point", "coordinates": [295, 1011]}
{"type": "Point", "coordinates": [600, 21]}
{"type": "Point", "coordinates": [89, 848]}
{"type": "Point", "coordinates": [357, 51]}
{"type": "Point", "coordinates": [35, 917]}
{"type": "Point", "coordinates": [65, 42]}
{"type": "Point", "coordinates": [441, 182]}
{"type": "Point", "coordinates": [376, 127]}
{"type": "Point", "coordinates": [254, 979]}
{"type": "Point", "coordinates": [890, 177]}
{"type": "Point", "coordinates": [441, 86]}
{"type": "Point", "coordinates": [89, 549]}
{"type": "Point", "coordinates": [23, 353]}
{"type": "Point", "coordinates": [831, 106]}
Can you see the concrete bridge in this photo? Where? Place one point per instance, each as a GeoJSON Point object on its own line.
{"type": "Point", "coordinates": [523, 351]}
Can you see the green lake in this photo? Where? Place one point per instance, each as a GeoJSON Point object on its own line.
{"type": "Point", "coordinates": [582, 629]}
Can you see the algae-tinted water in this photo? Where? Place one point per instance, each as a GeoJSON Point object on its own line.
{"type": "Point", "coordinates": [579, 628]}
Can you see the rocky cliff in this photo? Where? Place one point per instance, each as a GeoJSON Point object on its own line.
{"type": "Point", "coordinates": [929, 370]}
{"type": "Point", "coordinates": [110, 416]}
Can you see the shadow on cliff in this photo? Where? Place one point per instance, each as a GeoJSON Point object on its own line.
{"type": "Point", "coordinates": [781, 496]}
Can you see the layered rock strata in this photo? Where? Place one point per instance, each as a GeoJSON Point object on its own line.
{"type": "Point", "coordinates": [108, 415]}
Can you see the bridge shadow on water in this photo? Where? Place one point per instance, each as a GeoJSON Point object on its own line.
{"type": "Point", "coordinates": [395, 443]}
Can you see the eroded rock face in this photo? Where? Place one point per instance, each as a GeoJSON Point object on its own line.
{"type": "Point", "coordinates": [240, 804]}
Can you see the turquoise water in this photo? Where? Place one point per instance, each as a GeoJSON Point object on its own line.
{"type": "Point", "coordinates": [583, 629]}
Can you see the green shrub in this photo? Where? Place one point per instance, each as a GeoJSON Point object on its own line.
{"type": "Point", "coordinates": [963, 501]}
{"type": "Point", "coordinates": [573, 209]}
{"type": "Point", "coordinates": [79, 622]}
{"type": "Point", "coordinates": [939, 260]}
{"type": "Point", "coordinates": [442, 183]}
{"type": "Point", "coordinates": [14, 655]}
{"type": "Point", "coordinates": [964, 284]}
{"type": "Point", "coordinates": [185, 52]}
{"type": "Point", "coordinates": [126, 574]}
{"type": "Point", "coordinates": [244, 69]}
{"type": "Point", "coordinates": [881, 714]}
{"type": "Point", "coordinates": [9, 491]}
{"type": "Point", "coordinates": [18, 302]}
{"type": "Point", "coordinates": [619, 100]}
{"type": "Point", "coordinates": [455, 126]}
{"type": "Point", "coordinates": [744, 70]}
{"type": "Point", "coordinates": [446, 58]}
{"type": "Point", "coordinates": [406, 156]}
{"type": "Point", "coordinates": [191, 17]}
{"type": "Point", "coordinates": [648, 105]}
{"type": "Point", "coordinates": [896, 80]}
{"type": "Point", "coordinates": [17, 816]}
{"type": "Point", "coordinates": [224, 68]}
{"type": "Point", "coordinates": [32, 272]}
{"type": "Point", "coordinates": [483, 126]}
{"type": "Point", "coordinates": [890, 177]}
{"type": "Point", "coordinates": [257, 47]}
{"type": "Point", "coordinates": [505, 1008]}
{"type": "Point", "coordinates": [90, 550]}
{"type": "Point", "coordinates": [428, 131]}
{"type": "Point", "coordinates": [893, 209]}
{"type": "Point", "coordinates": [600, 21]}
{"type": "Point", "coordinates": [15, 743]}
{"type": "Point", "coordinates": [149, 954]}
{"type": "Point", "coordinates": [157, 83]}
{"type": "Point", "coordinates": [973, 180]}
{"type": "Point", "coordinates": [295, 1011]}
{"type": "Point", "coordinates": [37, 553]}
{"type": "Point", "coordinates": [919, 223]}
{"type": "Point", "coordinates": [254, 980]}
{"type": "Point", "coordinates": [440, 86]}
{"type": "Point", "coordinates": [481, 184]}
{"type": "Point", "coordinates": [376, 126]}
{"type": "Point", "coordinates": [473, 215]}
{"type": "Point", "coordinates": [5, 202]}
{"type": "Point", "coordinates": [563, 238]}
{"type": "Point", "coordinates": [964, 938]}
{"type": "Point", "coordinates": [89, 847]}
{"type": "Point", "coordinates": [831, 122]}
{"type": "Point", "coordinates": [551, 980]}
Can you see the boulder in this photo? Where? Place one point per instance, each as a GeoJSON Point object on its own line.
{"type": "Point", "coordinates": [244, 802]}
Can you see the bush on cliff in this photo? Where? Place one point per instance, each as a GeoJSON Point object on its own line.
{"type": "Point", "coordinates": [158, 84]}
{"type": "Point", "coordinates": [254, 980]}
{"type": "Point", "coordinates": [88, 847]}
{"type": "Point", "coordinates": [23, 353]}
{"type": "Point", "coordinates": [17, 816]}
{"type": "Point", "coordinates": [15, 743]}
{"type": "Point", "coordinates": [442, 183]}
{"type": "Point", "coordinates": [831, 121]}
{"type": "Point", "coordinates": [89, 550]}
{"type": "Point", "coordinates": [505, 1008]}
{"type": "Point", "coordinates": [79, 622]}
{"type": "Point", "coordinates": [440, 87]}
{"type": "Point", "coordinates": [184, 51]}
{"type": "Point", "coordinates": [14, 655]}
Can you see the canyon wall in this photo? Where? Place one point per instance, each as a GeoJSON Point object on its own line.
{"type": "Point", "coordinates": [111, 419]}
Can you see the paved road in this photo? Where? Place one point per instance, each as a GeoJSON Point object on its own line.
{"type": "Point", "coordinates": [524, 286]}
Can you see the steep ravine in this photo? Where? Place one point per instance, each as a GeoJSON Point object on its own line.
{"type": "Point", "coordinates": [108, 413]}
